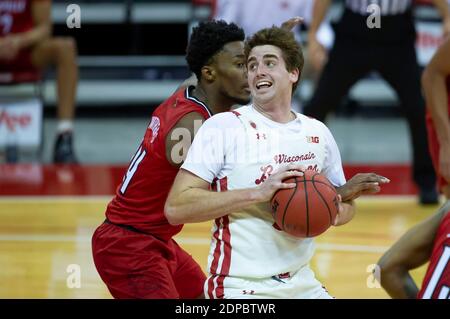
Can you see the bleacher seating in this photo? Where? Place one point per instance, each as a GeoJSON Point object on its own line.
{"type": "Point", "coordinates": [131, 52]}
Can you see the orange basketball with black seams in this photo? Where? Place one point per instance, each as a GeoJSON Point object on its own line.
{"type": "Point", "coordinates": [307, 210]}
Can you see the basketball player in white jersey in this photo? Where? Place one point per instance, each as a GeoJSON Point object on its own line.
{"type": "Point", "coordinates": [245, 155]}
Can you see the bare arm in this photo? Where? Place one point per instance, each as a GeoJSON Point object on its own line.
{"type": "Point", "coordinates": [444, 10]}
{"type": "Point", "coordinates": [412, 250]}
{"type": "Point", "coordinates": [180, 137]}
{"type": "Point", "coordinates": [11, 44]}
{"type": "Point", "coordinates": [316, 51]}
{"type": "Point", "coordinates": [346, 213]}
{"type": "Point", "coordinates": [41, 11]}
{"type": "Point", "coordinates": [191, 201]}
{"type": "Point", "coordinates": [319, 11]}
{"type": "Point", "coordinates": [434, 85]}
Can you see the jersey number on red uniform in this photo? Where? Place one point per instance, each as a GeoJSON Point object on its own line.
{"type": "Point", "coordinates": [135, 161]}
{"type": "Point", "coordinates": [437, 274]}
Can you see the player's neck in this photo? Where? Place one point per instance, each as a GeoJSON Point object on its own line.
{"type": "Point", "coordinates": [280, 113]}
{"type": "Point", "coordinates": [212, 100]}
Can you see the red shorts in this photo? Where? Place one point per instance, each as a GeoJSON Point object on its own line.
{"type": "Point", "coordinates": [22, 62]}
{"type": "Point", "coordinates": [136, 265]}
{"type": "Point", "coordinates": [433, 145]}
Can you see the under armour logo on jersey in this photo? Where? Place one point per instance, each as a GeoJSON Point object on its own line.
{"type": "Point", "coordinates": [312, 139]}
{"type": "Point", "coordinates": [261, 136]}
{"type": "Point", "coordinates": [248, 292]}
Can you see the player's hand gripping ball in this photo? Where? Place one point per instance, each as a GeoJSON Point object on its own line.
{"type": "Point", "coordinates": [307, 210]}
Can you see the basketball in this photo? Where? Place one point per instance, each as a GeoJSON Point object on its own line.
{"type": "Point", "coordinates": [307, 210]}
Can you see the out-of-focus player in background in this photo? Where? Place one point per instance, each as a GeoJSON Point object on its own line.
{"type": "Point", "coordinates": [133, 249]}
{"type": "Point", "coordinates": [428, 241]}
{"type": "Point", "coordinates": [436, 85]}
{"type": "Point", "coordinates": [26, 43]}
{"type": "Point", "coordinates": [390, 51]}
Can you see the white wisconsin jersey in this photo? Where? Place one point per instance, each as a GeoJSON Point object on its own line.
{"type": "Point", "coordinates": [240, 149]}
{"type": "Point", "coordinates": [254, 15]}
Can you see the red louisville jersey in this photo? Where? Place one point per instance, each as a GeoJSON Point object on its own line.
{"type": "Point", "coordinates": [436, 284]}
{"type": "Point", "coordinates": [15, 16]}
{"type": "Point", "coordinates": [139, 200]}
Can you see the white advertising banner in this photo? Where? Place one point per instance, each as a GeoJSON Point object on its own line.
{"type": "Point", "coordinates": [20, 122]}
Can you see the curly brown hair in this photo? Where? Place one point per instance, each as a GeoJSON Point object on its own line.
{"type": "Point", "coordinates": [283, 39]}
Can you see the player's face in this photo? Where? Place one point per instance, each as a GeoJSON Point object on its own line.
{"type": "Point", "coordinates": [232, 74]}
{"type": "Point", "coordinates": [267, 74]}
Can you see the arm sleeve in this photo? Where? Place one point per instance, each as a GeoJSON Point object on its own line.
{"type": "Point", "coordinates": [207, 154]}
{"type": "Point", "coordinates": [333, 164]}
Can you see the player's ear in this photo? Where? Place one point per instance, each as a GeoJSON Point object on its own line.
{"type": "Point", "coordinates": [294, 75]}
{"type": "Point", "coordinates": [208, 73]}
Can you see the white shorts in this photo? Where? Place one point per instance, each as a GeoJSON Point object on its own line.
{"type": "Point", "coordinates": [299, 285]}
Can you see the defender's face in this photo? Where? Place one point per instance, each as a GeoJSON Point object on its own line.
{"type": "Point", "coordinates": [232, 73]}
{"type": "Point", "coordinates": [267, 74]}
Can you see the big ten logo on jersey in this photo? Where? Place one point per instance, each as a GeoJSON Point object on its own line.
{"type": "Point", "coordinates": [266, 171]}
{"type": "Point", "coordinates": [312, 139]}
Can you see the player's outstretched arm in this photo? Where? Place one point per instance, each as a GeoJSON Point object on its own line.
{"type": "Point", "coordinates": [361, 184]}
{"type": "Point", "coordinates": [412, 250]}
{"type": "Point", "coordinates": [433, 82]}
{"type": "Point", "coordinates": [191, 201]}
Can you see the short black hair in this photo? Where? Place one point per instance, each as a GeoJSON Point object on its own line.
{"type": "Point", "coordinates": [207, 39]}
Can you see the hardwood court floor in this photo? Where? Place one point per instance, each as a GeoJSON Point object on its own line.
{"type": "Point", "coordinates": [43, 239]}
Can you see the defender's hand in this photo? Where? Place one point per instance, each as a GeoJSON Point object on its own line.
{"type": "Point", "coordinates": [361, 184]}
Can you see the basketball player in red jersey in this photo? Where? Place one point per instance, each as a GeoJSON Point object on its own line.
{"type": "Point", "coordinates": [436, 84]}
{"type": "Point", "coordinates": [428, 241]}
{"type": "Point", "coordinates": [133, 249]}
{"type": "Point", "coordinates": [26, 44]}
